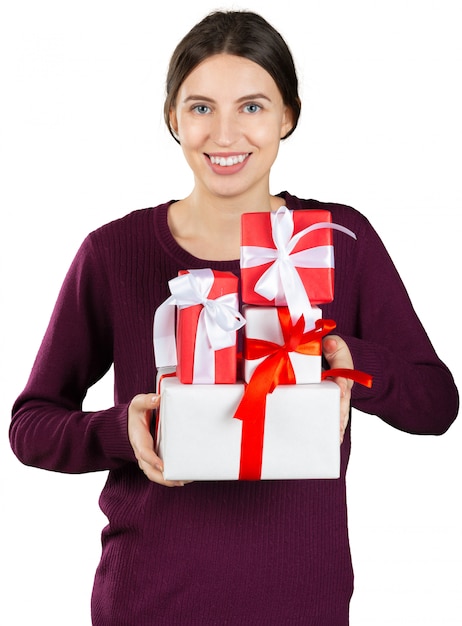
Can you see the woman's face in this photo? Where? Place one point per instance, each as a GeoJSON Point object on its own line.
{"type": "Point", "coordinates": [230, 117]}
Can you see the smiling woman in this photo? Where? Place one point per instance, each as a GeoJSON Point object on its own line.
{"type": "Point", "coordinates": [229, 118]}
{"type": "Point", "coordinates": [218, 552]}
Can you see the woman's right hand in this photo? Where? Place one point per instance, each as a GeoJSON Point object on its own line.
{"type": "Point", "coordinates": [139, 433]}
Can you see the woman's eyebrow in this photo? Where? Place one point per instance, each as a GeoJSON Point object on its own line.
{"type": "Point", "coordinates": [252, 96]}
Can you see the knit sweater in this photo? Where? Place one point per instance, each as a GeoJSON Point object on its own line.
{"type": "Point", "coordinates": [218, 552]}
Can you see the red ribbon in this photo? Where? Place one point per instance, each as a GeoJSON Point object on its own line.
{"type": "Point", "coordinates": [356, 375]}
{"type": "Point", "coordinates": [156, 411]}
{"type": "Point", "coordinates": [276, 369]}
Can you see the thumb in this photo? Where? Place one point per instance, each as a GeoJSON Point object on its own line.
{"type": "Point", "coordinates": [330, 348]}
{"type": "Point", "coordinates": [337, 353]}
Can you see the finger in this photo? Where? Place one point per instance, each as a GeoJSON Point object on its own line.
{"type": "Point", "coordinates": [330, 350]}
{"type": "Point", "coordinates": [148, 461]}
{"type": "Point", "coordinates": [345, 397]}
{"type": "Point", "coordinates": [330, 345]}
{"type": "Point", "coordinates": [153, 468]}
{"type": "Point", "coordinates": [344, 417]}
{"type": "Point", "coordinates": [145, 403]}
{"type": "Point", "coordinates": [336, 352]}
{"type": "Point", "coordinates": [345, 384]}
{"type": "Point", "coordinates": [148, 457]}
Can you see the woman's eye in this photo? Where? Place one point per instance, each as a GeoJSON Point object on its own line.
{"type": "Point", "coordinates": [202, 109]}
{"type": "Point", "coordinates": [252, 108]}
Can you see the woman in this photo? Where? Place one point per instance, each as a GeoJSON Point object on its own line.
{"type": "Point", "coordinates": [268, 552]}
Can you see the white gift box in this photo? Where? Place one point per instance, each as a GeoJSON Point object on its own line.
{"type": "Point", "coordinates": [262, 322]}
{"type": "Point", "coordinates": [199, 438]}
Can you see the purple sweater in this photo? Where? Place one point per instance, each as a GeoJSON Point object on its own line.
{"type": "Point", "coordinates": [237, 553]}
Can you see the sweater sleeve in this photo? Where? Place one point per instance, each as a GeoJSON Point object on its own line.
{"type": "Point", "coordinates": [412, 389]}
{"type": "Point", "coordinates": [49, 429]}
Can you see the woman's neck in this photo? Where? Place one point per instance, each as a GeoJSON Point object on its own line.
{"type": "Point", "coordinates": [212, 230]}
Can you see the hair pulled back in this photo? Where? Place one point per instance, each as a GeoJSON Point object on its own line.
{"type": "Point", "coordinates": [240, 33]}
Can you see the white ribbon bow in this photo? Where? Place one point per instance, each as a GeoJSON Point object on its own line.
{"type": "Point", "coordinates": [218, 320]}
{"type": "Point", "coordinates": [281, 282]}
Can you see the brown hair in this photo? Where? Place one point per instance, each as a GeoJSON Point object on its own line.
{"type": "Point", "coordinates": [240, 33]}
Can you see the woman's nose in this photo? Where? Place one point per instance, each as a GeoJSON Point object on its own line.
{"type": "Point", "coordinates": [225, 129]}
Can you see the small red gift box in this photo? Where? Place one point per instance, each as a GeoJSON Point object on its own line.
{"type": "Point", "coordinates": [287, 259]}
{"type": "Point", "coordinates": [198, 360]}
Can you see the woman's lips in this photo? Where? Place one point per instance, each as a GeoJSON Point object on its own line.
{"type": "Point", "coordinates": [228, 163]}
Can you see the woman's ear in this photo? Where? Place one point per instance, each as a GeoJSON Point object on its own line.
{"type": "Point", "coordinates": [287, 122]}
{"type": "Point", "coordinates": [173, 121]}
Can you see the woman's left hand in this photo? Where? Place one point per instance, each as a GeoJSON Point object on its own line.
{"type": "Point", "coordinates": [338, 355]}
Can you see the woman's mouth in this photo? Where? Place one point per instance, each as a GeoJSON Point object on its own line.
{"type": "Point", "coordinates": [228, 163]}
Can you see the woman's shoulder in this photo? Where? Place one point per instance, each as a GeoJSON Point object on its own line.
{"type": "Point", "coordinates": [336, 208]}
{"type": "Point", "coordinates": [343, 214]}
{"type": "Point", "coordinates": [138, 220]}
{"type": "Point", "coordinates": [131, 234]}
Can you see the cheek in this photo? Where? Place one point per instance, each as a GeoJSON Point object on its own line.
{"type": "Point", "coordinates": [191, 135]}
{"type": "Point", "coordinates": [269, 143]}
{"type": "Point", "coordinates": [268, 134]}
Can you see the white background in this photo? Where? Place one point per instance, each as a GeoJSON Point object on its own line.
{"type": "Point", "coordinates": [83, 142]}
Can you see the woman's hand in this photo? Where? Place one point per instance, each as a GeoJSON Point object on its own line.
{"type": "Point", "coordinates": [338, 355]}
{"type": "Point", "coordinates": [139, 433]}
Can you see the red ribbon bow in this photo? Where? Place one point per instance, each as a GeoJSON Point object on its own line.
{"type": "Point", "coordinates": [277, 369]}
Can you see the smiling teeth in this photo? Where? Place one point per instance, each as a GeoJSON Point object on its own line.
{"type": "Point", "coordinates": [227, 161]}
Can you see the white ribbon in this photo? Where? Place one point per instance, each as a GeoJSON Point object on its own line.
{"type": "Point", "coordinates": [281, 282]}
{"type": "Point", "coordinates": [218, 321]}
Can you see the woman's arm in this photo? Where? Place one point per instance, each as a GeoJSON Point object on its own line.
{"type": "Point", "coordinates": [49, 429]}
{"type": "Point", "coordinates": [412, 389]}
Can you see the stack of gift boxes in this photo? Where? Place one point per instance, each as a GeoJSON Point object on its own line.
{"type": "Point", "coordinates": [270, 414]}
